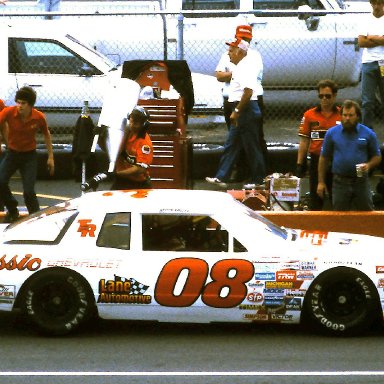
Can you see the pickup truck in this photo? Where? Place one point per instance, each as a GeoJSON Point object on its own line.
{"type": "Point", "coordinates": [301, 41]}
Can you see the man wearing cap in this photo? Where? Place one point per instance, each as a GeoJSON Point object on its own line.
{"type": "Point", "coordinates": [224, 73]}
{"type": "Point", "coordinates": [19, 125]}
{"type": "Point", "coordinates": [245, 119]}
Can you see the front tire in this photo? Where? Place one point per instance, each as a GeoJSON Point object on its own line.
{"type": "Point", "coordinates": [57, 302]}
{"type": "Point", "coordinates": [342, 301]}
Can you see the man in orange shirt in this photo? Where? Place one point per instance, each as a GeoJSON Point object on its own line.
{"type": "Point", "coordinates": [19, 125]}
{"type": "Point", "coordinates": [314, 124]}
{"type": "Point", "coordinates": [132, 165]}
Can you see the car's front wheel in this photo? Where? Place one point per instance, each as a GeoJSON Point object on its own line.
{"type": "Point", "coordinates": [342, 301]}
{"type": "Point", "coordinates": [57, 301]}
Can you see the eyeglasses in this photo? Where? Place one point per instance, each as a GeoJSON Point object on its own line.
{"type": "Point", "coordinates": [325, 96]}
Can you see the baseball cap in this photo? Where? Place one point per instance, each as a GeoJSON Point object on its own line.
{"type": "Point", "coordinates": [238, 43]}
{"type": "Point", "coordinates": [244, 31]}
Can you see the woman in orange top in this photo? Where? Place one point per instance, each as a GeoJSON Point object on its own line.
{"type": "Point", "coordinates": [135, 158]}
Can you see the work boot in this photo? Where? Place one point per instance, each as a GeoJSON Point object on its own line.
{"type": "Point", "coordinates": [11, 217]}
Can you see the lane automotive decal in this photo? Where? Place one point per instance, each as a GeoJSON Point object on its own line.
{"type": "Point", "coordinates": [123, 291]}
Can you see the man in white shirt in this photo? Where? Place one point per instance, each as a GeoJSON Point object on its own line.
{"type": "Point", "coordinates": [371, 39]}
{"type": "Point", "coordinates": [245, 118]}
{"type": "Point", "coordinates": [224, 73]}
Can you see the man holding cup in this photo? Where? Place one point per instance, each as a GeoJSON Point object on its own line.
{"type": "Point", "coordinates": [354, 150]}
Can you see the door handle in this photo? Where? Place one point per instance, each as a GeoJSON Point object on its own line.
{"type": "Point", "coordinates": [352, 42]}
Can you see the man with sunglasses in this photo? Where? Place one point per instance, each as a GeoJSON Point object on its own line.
{"type": "Point", "coordinates": [314, 124]}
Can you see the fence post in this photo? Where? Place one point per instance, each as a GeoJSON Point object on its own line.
{"type": "Point", "coordinates": [180, 37]}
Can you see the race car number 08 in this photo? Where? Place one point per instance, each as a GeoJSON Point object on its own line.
{"type": "Point", "coordinates": [230, 273]}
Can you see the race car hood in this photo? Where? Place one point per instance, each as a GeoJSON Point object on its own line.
{"type": "Point", "coordinates": [323, 238]}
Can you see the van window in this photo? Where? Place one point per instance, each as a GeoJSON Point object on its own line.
{"type": "Point", "coordinates": [45, 57]}
{"type": "Point", "coordinates": [285, 4]}
{"type": "Point", "coordinates": [208, 5]}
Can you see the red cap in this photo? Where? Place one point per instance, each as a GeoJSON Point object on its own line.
{"type": "Point", "coordinates": [244, 45]}
{"type": "Point", "coordinates": [244, 31]}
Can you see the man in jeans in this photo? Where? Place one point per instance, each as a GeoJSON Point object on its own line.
{"type": "Point", "coordinates": [244, 132]}
{"type": "Point", "coordinates": [19, 125]}
{"type": "Point", "coordinates": [354, 151]}
{"type": "Point", "coordinates": [371, 39]}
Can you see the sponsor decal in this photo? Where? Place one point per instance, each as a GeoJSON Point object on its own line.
{"type": "Point", "coordinates": [16, 262]}
{"type": "Point", "coordinates": [249, 307]}
{"type": "Point", "coordinates": [265, 276]}
{"type": "Point", "coordinates": [279, 284]}
{"type": "Point", "coordinates": [85, 263]}
{"type": "Point", "coordinates": [123, 291]}
{"type": "Point", "coordinates": [380, 283]}
{"type": "Point", "coordinates": [146, 149]}
{"type": "Point", "coordinates": [379, 269]}
{"type": "Point", "coordinates": [295, 292]}
{"type": "Point", "coordinates": [276, 292]}
{"type": "Point", "coordinates": [281, 317]}
{"type": "Point", "coordinates": [273, 302]}
{"type": "Point", "coordinates": [256, 284]}
{"type": "Point", "coordinates": [7, 293]}
{"type": "Point", "coordinates": [86, 228]}
{"type": "Point", "coordinates": [286, 275]}
{"type": "Point", "coordinates": [293, 304]}
{"type": "Point", "coordinates": [256, 316]}
{"type": "Point", "coordinates": [307, 266]}
{"type": "Point", "coordinates": [305, 275]}
{"type": "Point", "coordinates": [316, 237]}
{"type": "Point", "coordinates": [255, 297]}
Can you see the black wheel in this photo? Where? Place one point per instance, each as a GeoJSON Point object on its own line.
{"type": "Point", "coordinates": [57, 301]}
{"type": "Point", "coordinates": [342, 301]}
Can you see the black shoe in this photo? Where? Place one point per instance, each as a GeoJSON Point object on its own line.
{"type": "Point", "coordinates": [11, 217]}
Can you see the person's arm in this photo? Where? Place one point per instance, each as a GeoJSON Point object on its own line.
{"type": "Point", "coordinates": [132, 170]}
{"type": "Point", "coordinates": [246, 96]}
{"type": "Point", "coordinates": [223, 76]}
{"type": "Point", "coordinates": [370, 41]}
{"type": "Point", "coordinates": [322, 170]}
{"type": "Point", "coordinates": [48, 144]}
{"type": "Point", "coordinates": [303, 150]}
{"type": "Point", "coordinates": [373, 162]}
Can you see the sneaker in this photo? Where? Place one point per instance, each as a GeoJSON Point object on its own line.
{"type": "Point", "coordinates": [215, 180]}
{"type": "Point", "coordinates": [11, 217]}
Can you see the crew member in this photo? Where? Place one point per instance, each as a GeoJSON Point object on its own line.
{"type": "Point", "coordinates": [19, 126]}
{"type": "Point", "coordinates": [135, 158]}
{"type": "Point", "coordinates": [314, 124]}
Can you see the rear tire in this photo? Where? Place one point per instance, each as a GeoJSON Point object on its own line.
{"type": "Point", "coordinates": [342, 301]}
{"type": "Point", "coordinates": [57, 301]}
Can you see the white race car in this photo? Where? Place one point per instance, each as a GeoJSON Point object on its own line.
{"type": "Point", "coordinates": [184, 256]}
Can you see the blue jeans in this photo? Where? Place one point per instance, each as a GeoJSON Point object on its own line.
{"type": "Point", "coordinates": [26, 163]}
{"type": "Point", "coordinates": [371, 81]}
{"type": "Point", "coordinates": [245, 136]}
{"type": "Point", "coordinates": [351, 194]}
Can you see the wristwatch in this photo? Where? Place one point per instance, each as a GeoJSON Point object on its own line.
{"type": "Point", "coordinates": [236, 110]}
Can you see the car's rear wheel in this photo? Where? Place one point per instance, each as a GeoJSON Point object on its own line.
{"type": "Point", "coordinates": [57, 301]}
{"type": "Point", "coordinates": [342, 301]}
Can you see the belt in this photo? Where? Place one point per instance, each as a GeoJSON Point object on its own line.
{"type": "Point", "coordinates": [349, 179]}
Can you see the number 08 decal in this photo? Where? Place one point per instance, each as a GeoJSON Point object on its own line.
{"type": "Point", "coordinates": [232, 274]}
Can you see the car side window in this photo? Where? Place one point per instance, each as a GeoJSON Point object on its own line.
{"type": "Point", "coordinates": [44, 57]}
{"type": "Point", "coordinates": [183, 233]}
{"type": "Point", "coordinates": [208, 5]}
{"type": "Point", "coordinates": [115, 231]}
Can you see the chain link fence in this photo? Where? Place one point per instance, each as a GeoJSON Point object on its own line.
{"type": "Point", "coordinates": [300, 43]}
